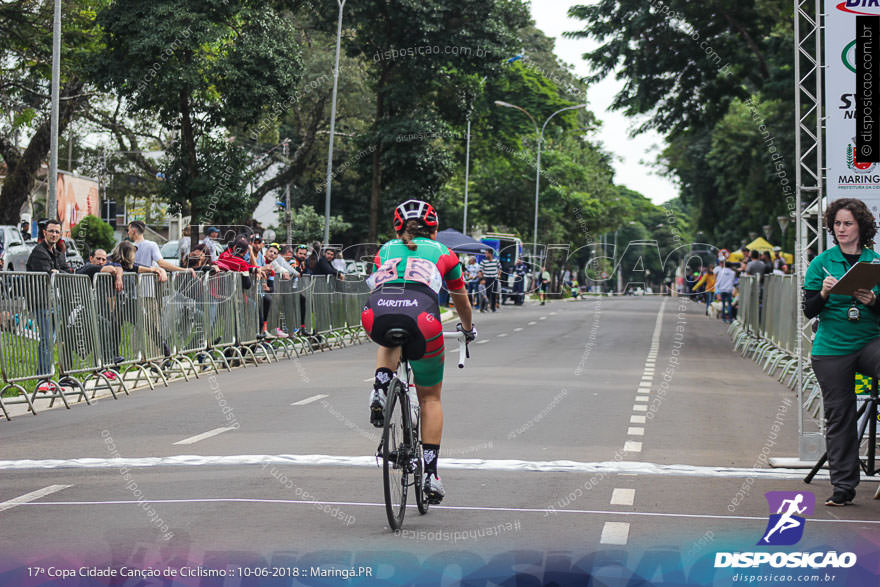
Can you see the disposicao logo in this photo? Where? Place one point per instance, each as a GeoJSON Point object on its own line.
{"type": "Point", "coordinates": [862, 7]}
{"type": "Point", "coordinates": [785, 528]}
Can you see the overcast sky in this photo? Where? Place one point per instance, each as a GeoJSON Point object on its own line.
{"type": "Point", "coordinates": [632, 156]}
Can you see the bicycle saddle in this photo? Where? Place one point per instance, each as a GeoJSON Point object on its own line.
{"type": "Point", "coordinates": [396, 336]}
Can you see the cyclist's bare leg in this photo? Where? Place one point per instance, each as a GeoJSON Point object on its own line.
{"type": "Point", "coordinates": [431, 413]}
{"type": "Point", "coordinates": [387, 357]}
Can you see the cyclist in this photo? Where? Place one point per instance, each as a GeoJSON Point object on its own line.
{"type": "Point", "coordinates": [409, 274]}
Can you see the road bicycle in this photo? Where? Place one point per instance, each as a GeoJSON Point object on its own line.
{"type": "Point", "coordinates": [400, 447]}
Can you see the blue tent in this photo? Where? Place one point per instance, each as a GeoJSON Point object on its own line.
{"type": "Point", "coordinates": [460, 243]}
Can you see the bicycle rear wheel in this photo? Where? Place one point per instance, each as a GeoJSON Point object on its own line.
{"type": "Point", "coordinates": [397, 453]}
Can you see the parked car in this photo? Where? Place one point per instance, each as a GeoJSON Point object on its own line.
{"type": "Point", "coordinates": [10, 237]}
{"type": "Point", "coordinates": [16, 255]}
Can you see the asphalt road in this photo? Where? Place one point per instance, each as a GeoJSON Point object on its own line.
{"type": "Point", "coordinates": [610, 429]}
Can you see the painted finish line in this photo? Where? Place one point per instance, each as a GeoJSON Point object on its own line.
{"type": "Point", "coordinates": [607, 467]}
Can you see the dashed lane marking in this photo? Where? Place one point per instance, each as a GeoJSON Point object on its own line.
{"type": "Point", "coordinates": [632, 446]}
{"type": "Point", "coordinates": [622, 496]}
{"type": "Point", "coordinates": [532, 323]}
{"type": "Point", "coordinates": [32, 496]}
{"type": "Point", "coordinates": [636, 419]}
{"type": "Point", "coordinates": [314, 398]}
{"type": "Point", "coordinates": [503, 334]}
{"type": "Point", "coordinates": [635, 431]}
{"type": "Point", "coordinates": [517, 329]}
{"type": "Point", "coordinates": [615, 533]}
{"type": "Point", "coordinates": [205, 435]}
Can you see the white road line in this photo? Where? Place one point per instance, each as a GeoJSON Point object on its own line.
{"type": "Point", "coordinates": [642, 398]}
{"type": "Point", "coordinates": [517, 329]}
{"type": "Point", "coordinates": [636, 419]}
{"type": "Point", "coordinates": [644, 389]}
{"type": "Point", "coordinates": [640, 408]}
{"type": "Point", "coordinates": [623, 496]}
{"type": "Point", "coordinates": [560, 466]}
{"type": "Point", "coordinates": [314, 398]}
{"type": "Point", "coordinates": [33, 495]}
{"type": "Point", "coordinates": [632, 446]}
{"type": "Point", "coordinates": [615, 533]}
{"type": "Point", "coordinates": [370, 379]}
{"type": "Point", "coordinates": [542, 318]}
{"type": "Point", "coordinates": [503, 334]}
{"type": "Point", "coordinates": [532, 323]}
{"type": "Point", "coordinates": [484, 341]}
{"type": "Point", "coordinates": [635, 431]}
{"type": "Point", "coordinates": [204, 435]}
{"type": "Point", "coordinates": [552, 313]}
{"type": "Point", "coordinates": [313, 503]}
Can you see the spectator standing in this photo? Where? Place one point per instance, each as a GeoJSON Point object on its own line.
{"type": "Point", "coordinates": [544, 285]}
{"type": "Point", "coordinates": [724, 278]}
{"type": "Point", "coordinates": [847, 340]}
{"type": "Point", "coordinates": [520, 270]}
{"type": "Point", "coordinates": [481, 294]}
{"type": "Point", "coordinates": [707, 283]}
{"type": "Point", "coordinates": [212, 233]}
{"type": "Point", "coordinates": [49, 254]}
{"type": "Point", "coordinates": [25, 231]}
{"type": "Point", "coordinates": [472, 276]}
{"type": "Point", "coordinates": [768, 263]}
{"type": "Point", "coordinates": [755, 266]}
{"type": "Point", "coordinates": [491, 269]}
{"type": "Point", "coordinates": [336, 260]}
{"type": "Point", "coordinates": [96, 261]}
{"type": "Point", "coordinates": [47, 257]}
{"type": "Point", "coordinates": [183, 247]}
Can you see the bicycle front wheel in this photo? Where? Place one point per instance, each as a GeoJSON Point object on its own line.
{"type": "Point", "coordinates": [397, 453]}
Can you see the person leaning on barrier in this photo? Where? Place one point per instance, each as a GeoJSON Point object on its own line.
{"type": "Point", "coordinates": [847, 340]}
{"type": "Point", "coordinates": [318, 263]}
{"type": "Point", "coordinates": [49, 254]}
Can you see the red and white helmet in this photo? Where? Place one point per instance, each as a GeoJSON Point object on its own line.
{"type": "Point", "coordinates": [418, 210]}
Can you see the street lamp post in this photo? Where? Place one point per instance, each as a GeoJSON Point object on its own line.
{"type": "Point", "coordinates": [52, 195]}
{"type": "Point", "coordinates": [341, 4]}
{"type": "Point", "coordinates": [540, 137]}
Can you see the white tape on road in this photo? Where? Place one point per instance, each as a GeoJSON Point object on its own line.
{"type": "Point", "coordinates": [204, 435]}
{"type": "Point", "coordinates": [465, 508]}
{"type": "Point", "coordinates": [608, 467]}
{"type": "Point", "coordinates": [32, 496]}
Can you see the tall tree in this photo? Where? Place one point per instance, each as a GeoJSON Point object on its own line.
{"type": "Point", "coordinates": [416, 50]}
{"type": "Point", "coordinates": [25, 75]}
{"type": "Point", "coordinates": [201, 67]}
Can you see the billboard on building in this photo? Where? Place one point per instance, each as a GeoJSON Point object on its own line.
{"type": "Point", "coordinates": [78, 197]}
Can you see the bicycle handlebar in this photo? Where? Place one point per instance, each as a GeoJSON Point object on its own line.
{"type": "Point", "coordinates": [463, 351]}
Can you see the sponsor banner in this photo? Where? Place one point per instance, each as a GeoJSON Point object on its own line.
{"type": "Point", "coordinates": [849, 174]}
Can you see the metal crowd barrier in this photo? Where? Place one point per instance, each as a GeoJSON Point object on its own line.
{"type": "Point", "coordinates": [66, 335]}
{"type": "Point", "coordinates": [766, 331]}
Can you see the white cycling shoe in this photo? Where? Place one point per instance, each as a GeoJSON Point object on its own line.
{"type": "Point", "coordinates": [434, 492]}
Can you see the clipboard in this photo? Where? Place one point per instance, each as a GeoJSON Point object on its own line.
{"type": "Point", "coordinates": [862, 275]}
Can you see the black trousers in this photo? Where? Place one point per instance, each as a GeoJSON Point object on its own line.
{"type": "Point", "coordinates": [836, 376]}
{"type": "Point", "coordinates": [492, 291]}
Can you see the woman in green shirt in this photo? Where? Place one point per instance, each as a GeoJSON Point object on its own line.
{"type": "Point", "coordinates": [847, 340]}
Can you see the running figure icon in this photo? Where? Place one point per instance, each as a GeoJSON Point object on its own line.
{"type": "Point", "coordinates": [787, 521]}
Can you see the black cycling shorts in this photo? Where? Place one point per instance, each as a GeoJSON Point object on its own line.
{"type": "Point", "coordinates": [414, 308]}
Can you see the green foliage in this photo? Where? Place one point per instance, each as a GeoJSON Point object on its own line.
{"type": "Point", "coordinates": [203, 67]}
{"type": "Point", "coordinates": [716, 79]}
{"type": "Point", "coordinates": [307, 225]}
{"type": "Point", "coordinates": [92, 233]}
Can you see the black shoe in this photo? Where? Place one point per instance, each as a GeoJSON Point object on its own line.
{"type": "Point", "coordinates": [840, 498]}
